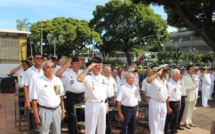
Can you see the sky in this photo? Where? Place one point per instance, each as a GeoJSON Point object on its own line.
{"type": "Point", "coordinates": [38, 10]}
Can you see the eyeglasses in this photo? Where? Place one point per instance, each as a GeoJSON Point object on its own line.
{"type": "Point", "coordinates": [50, 67]}
{"type": "Point", "coordinates": [39, 58]}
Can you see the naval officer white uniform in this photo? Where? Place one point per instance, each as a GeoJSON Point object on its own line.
{"type": "Point", "coordinates": [96, 93]}
{"type": "Point", "coordinates": [157, 104]}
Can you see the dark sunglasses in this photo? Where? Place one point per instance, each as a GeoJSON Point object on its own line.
{"type": "Point", "coordinates": [39, 58]}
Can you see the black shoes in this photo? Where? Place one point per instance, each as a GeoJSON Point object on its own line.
{"type": "Point", "coordinates": [180, 128]}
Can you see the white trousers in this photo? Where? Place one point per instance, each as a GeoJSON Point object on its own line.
{"type": "Point", "coordinates": [205, 94]}
{"type": "Point", "coordinates": [157, 116]}
{"type": "Point", "coordinates": [188, 112]}
{"type": "Point", "coordinates": [211, 90]}
{"type": "Point", "coordinates": [95, 117]}
{"type": "Point", "coordinates": [197, 94]}
{"type": "Point", "coordinates": [48, 118]}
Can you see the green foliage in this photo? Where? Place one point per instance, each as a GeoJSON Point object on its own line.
{"type": "Point", "coordinates": [196, 15]}
{"type": "Point", "coordinates": [115, 62]}
{"type": "Point", "coordinates": [23, 25]}
{"type": "Point", "coordinates": [76, 35]}
{"type": "Point", "coordinates": [123, 26]}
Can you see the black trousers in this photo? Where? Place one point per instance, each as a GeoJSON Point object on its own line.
{"type": "Point", "coordinates": [181, 112]}
{"type": "Point", "coordinates": [71, 100]}
{"type": "Point", "coordinates": [128, 125]}
{"type": "Point", "coordinates": [21, 103]}
{"type": "Point", "coordinates": [172, 119]}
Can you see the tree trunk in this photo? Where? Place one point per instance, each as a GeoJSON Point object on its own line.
{"type": "Point", "coordinates": [206, 32]}
{"type": "Point", "coordinates": [128, 56]}
{"type": "Point", "coordinates": [103, 55]}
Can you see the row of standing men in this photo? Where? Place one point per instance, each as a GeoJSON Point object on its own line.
{"type": "Point", "coordinates": [42, 89]}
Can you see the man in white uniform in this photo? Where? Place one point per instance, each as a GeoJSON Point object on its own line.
{"type": "Point", "coordinates": [206, 85]}
{"type": "Point", "coordinates": [75, 91]}
{"type": "Point", "coordinates": [96, 92]}
{"type": "Point", "coordinates": [48, 92]}
{"type": "Point", "coordinates": [146, 87]}
{"type": "Point", "coordinates": [127, 103]}
{"type": "Point", "coordinates": [183, 96]}
{"type": "Point", "coordinates": [31, 76]}
{"type": "Point", "coordinates": [173, 102]}
{"type": "Point", "coordinates": [157, 104]}
{"type": "Point", "coordinates": [195, 78]}
{"type": "Point", "coordinates": [190, 99]}
{"type": "Point", "coordinates": [20, 73]}
{"type": "Point", "coordinates": [117, 80]}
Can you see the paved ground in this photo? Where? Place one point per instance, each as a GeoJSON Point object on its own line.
{"type": "Point", "coordinates": [202, 117]}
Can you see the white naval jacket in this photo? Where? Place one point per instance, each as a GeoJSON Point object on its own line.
{"type": "Point", "coordinates": [190, 88]}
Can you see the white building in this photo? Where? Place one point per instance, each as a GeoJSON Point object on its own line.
{"type": "Point", "coordinates": [188, 42]}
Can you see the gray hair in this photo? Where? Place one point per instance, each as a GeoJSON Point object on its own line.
{"type": "Point", "coordinates": [106, 66]}
{"type": "Point", "coordinates": [128, 74]}
{"type": "Point", "coordinates": [63, 59]}
{"type": "Point", "coordinates": [44, 63]}
{"type": "Point", "coordinates": [174, 71]}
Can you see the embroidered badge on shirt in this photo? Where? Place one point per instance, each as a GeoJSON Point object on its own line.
{"type": "Point", "coordinates": [45, 86]}
{"type": "Point", "coordinates": [175, 89]}
{"type": "Point", "coordinates": [20, 76]}
{"type": "Point", "coordinates": [103, 82]}
{"type": "Point", "coordinates": [135, 94]}
{"type": "Point", "coordinates": [57, 89]}
{"type": "Point", "coordinates": [71, 82]}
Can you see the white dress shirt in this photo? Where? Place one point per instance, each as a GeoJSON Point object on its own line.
{"type": "Point", "coordinates": [71, 83]}
{"type": "Point", "coordinates": [20, 73]}
{"type": "Point", "coordinates": [128, 95]}
{"type": "Point", "coordinates": [174, 90]}
{"type": "Point", "coordinates": [30, 78]}
{"type": "Point", "coordinates": [159, 90]}
{"type": "Point", "coordinates": [47, 92]}
{"type": "Point", "coordinates": [96, 88]}
{"type": "Point", "coordinates": [146, 87]}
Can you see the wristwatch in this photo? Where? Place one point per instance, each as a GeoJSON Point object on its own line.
{"type": "Point", "coordinates": [64, 110]}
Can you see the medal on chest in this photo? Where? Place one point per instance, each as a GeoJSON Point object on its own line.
{"type": "Point", "coordinates": [57, 89]}
{"type": "Point", "coordinates": [103, 82]}
{"type": "Point", "coordinates": [93, 85]}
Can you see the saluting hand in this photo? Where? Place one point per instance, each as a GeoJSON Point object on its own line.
{"type": "Point", "coordinates": [69, 63]}
{"type": "Point", "coordinates": [92, 65]}
{"type": "Point", "coordinates": [160, 71]}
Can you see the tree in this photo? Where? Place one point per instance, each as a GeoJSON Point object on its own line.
{"type": "Point", "coordinates": [197, 15]}
{"type": "Point", "coordinates": [123, 25]}
{"type": "Point", "coordinates": [23, 25]}
{"type": "Point", "coordinates": [76, 35]}
{"type": "Point", "coordinates": [211, 56]}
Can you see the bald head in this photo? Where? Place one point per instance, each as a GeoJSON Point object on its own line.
{"type": "Point", "coordinates": [149, 72]}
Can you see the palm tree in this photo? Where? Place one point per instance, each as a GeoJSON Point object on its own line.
{"type": "Point", "coordinates": [23, 25]}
